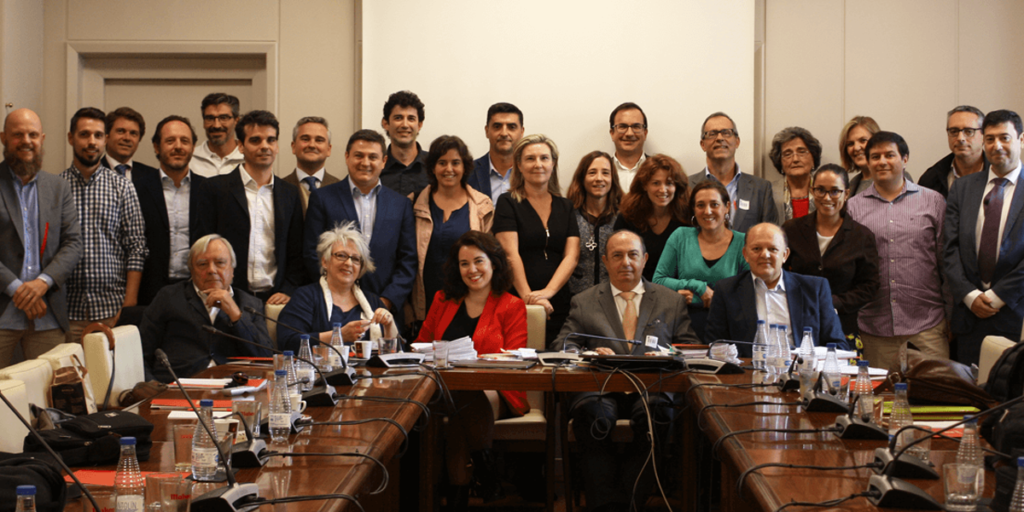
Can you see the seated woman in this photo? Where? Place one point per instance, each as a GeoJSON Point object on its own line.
{"type": "Point", "coordinates": [336, 298]}
{"type": "Point", "coordinates": [696, 258]}
{"type": "Point", "coordinates": [795, 153]}
{"type": "Point", "coordinates": [656, 206]}
{"type": "Point", "coordinates": [475, 302]}
{"type": "Point", "coordinates": [595, 194]}
{"type": "Point", "coordinates": [828, 243]}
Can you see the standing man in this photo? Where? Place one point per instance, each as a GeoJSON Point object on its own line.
{"type": "Point", "coordinates": [404, 171]}
{"type": "Point", "coordinates": [258, 213]}
{"type": "Point", "coordinates": [108, 275]}
{"type": "Point", "coordinates": [985, 241]}
{"type": "Point", "coordinates": [629, 132]}
{"type": "Point", "coordinates": [125, 128]}
{"type": "Point", "coordinates": [910, 304]}
{"type": "Point", "coordinates": [171, 198]}
{"type": "Point", "coordinates": [751, 198]}
{"type": "Point", "coordinates": [963, 130]}
{"type": "Point", "coordinates": [382, 215]}
{"type": "Point", "coordinates": [40, 242]}
{"type": "Point", "coordinates": [503, 129]}
{"type": "Point", "coordinates": [220, 154]}
{"type": "Point", "coordinates": [311, 145]}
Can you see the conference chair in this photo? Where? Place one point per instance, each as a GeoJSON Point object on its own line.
{"type": "Point", "coordinates": [272, 311]}
{"type": "Point", "coordinates": [14, 431]}
{"type": "Point", "coordinates": [116, 352]}
{"type": "Point", "coordinates": [37, 375]}
{"type": "Point", "coordinates": [991, 348]}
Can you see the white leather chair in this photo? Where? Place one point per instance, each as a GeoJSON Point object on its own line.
{"type": "Point", "coordinates": [37, 375]}
{"type": "Point", "coordinates": [64, 355]}
{"type": "Point", "coordinates": [13, 440]}
{"type": "Point", "coordinates": [130, 368]}
{"type": "Point", "coordinates": [272, 311]}
{"type": "Point", "coordinates": [991, 348]}
{"type": "Point", "coordinates": [532, 425]}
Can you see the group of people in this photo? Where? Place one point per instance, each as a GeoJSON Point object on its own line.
{"type": "Point", "coordinates": [433, 244]}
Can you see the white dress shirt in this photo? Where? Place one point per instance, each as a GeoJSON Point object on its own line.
{"type": "Point", "coordinates": [772, 306]}
{"type": "Point", "coordinates": [176, 199]}
{"type": "Point", "coordinates": [1008, 190]}
{"type": "Point", "coordinates": [366, 208]}
{"type": "Point", "coordinates": [620, 303]}
{"type": "Point", "coordinates": [114, 163]}
{"type": "Point", "coordinates": [262, 264]}
{"type": "Point", "coordinates": [626, 174]}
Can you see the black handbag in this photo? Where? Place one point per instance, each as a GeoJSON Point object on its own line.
{"type": "Point", "coordinates": [94, 439]}
{"type": "Point", "coordinates": [27, 469]}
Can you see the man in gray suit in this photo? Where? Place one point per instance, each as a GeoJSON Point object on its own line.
{"type": "Point", "coordinates": [311, 145]}
{"type": "Point", "coordinates": [40, 242]}
{"type": "Point", "coordinates": [626, 307]}
{"type": "Point", "coordinates": [751, 197]}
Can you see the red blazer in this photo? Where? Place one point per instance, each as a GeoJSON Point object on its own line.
{"type": "Point", "coordinates": [501, 325]}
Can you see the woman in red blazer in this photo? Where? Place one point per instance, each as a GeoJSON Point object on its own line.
{"type": "Point", "coordinates": [475, 302]}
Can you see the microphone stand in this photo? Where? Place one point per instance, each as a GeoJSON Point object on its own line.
{"type": "Point", "coordinates": [346, 376]}
{"type": "Point", "coordinates": [852, 427]}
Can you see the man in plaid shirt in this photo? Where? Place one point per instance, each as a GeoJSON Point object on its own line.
{"type": "Point", "coordinates": [113, 230]}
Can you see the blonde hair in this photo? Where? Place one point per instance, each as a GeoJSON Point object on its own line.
{"type": "Point", "coordinates": [868, 123]}
{"type": "Point", "coordinates": [517, 185]}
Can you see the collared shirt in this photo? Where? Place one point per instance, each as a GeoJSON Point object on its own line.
{"type": "Point", "coordinates": [114, 163]}
{"type": "Point", "coordinates": [499, 184]}
{"type": "Point", "coordinates": [908, 233]}
{"type": "Point", "coordinates": [405, 179]}
{"type": "Point", "coordinates": [772, 305]}
{"type": "Point", "coordinates": [114, 242]}
{"type": "Point", "coordinates": [732, 187]}
{"type": "Point", "coordinates": [366, 208]}
{"type": "Point", "coordinates": [31, 268]}
{"type": "Point", "coordinates": [206, 163]}
{"type": "Point", "coordinates": [210, 310]}
{"type": "Point", "coordinates": [176, 199]}
{"type": "Point", "coordinates": [952, 176]}
{"type": "Point", "coordinates": [620, 303]}
{"type": "Point", "coordinates": [1008, 190]}
{"type": "Point", "coordinates": [262, 265]}
{"type": "Point", "coordinates": [318, 176]}
{"type": "Point", "coordinates": [626, 174]}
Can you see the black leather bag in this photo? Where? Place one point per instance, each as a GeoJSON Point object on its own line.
{"type": "Point", "coordinates": [26, 469]}
{"type": "Point", "coordinates": [94, 439]}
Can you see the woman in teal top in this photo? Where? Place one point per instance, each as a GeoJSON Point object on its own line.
{"type": "Point", "coordinates": [696, 258]}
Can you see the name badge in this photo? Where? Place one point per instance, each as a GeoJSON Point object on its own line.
{"type": "Point", "coordinates": [652, 342]}
{"type": "Point", "coordinates": [744, 204]}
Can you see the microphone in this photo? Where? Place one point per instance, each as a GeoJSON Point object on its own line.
{"type": "Point", "coordinates": [346, 376]}
{"type": "Point", "coordinates": [250, 454]}
{"type": "Point", "coordinates": [319, 396]}
{"type": "Point", "coordinates": [825, 402]}
{"type": "Point", "coordinates": [790, 383]}
{"type": "Point", "coordinates": [233, 498]}
{"type": "Point", "coordinates": [852, 427]}
{"type": "Point", "coordinates": [562, 357]}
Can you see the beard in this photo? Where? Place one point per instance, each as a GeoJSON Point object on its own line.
{"type": "Point", "coordinates": [88, 163]}
{"type": "Point", "coordinates": [23, 168]}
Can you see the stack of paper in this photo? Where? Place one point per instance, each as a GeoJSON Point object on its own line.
{"type": "Point", "coordinates": [461, 349]}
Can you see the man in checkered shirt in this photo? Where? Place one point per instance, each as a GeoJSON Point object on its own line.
{"type": "Point", "coordinates": [113, 230]}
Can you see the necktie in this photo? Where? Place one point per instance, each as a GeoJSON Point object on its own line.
{"type": "Point", "coordinates": [988, 250]}
{"type": "Point", "coordinates": [310, 182]}
{"type": "Point", "coordinates": [629, 315]}
{"type": "Point", "coordinates": [122, 169]}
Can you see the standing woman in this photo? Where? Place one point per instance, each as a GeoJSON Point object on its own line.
{"type": "Point", "coordinates": [656, 205]}
{"type": "Point", "coordinates": [537, 229]}
{"type": "Point", "coordinates": [852, 142]}
{"type": "Point", "coordinates": [595, 193]}
{"type": "Point", "coordinates": [444, 210]}
{"type": "Point", "coordinates": [795, 153]}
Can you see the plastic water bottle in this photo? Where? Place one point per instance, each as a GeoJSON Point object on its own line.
{"type": "Point", "coordinates": [785, 357]}
{"type": "Point", "coordinates": [27, 498]}
{"type": "Point", "coordinates": [830, 372]}
{"type": "Point", "coordinates": [338, 343]}
{"type": "Point", "coordinates": [129, 485]}
{"type": "Point", "coordinates": [304, 370]}
{"type": "Point", "coordinates": [280, 418]}
{"type": "Point", "coordinates": [863, 393]}
{"type": "Point", "coordinates": [901, 417]}
{"type": "Point", "coordinates": [289, 365]}
{"type": "Point", "coordinates": [204, 449]}
{"type": "Point", "coordinates": [807, 344]}
{"type": "Point", "coordinates": [1017, 501]}
{"type": "Point", "coordinates": [772, 352]}
{"type": "Point", "coordinates": [970, 451]}
{"type": "Point", "coordinates": [760, 348]}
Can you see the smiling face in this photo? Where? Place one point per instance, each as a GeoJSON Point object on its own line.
{"type": "Point", "coordinates": [449, 169]}
{"type": "Point", "coordinates": [123, 139]}
{"type": "Point", "coordinates": [403, 125]}
{"type": "Point", "coordinates": [856, 141]}
{"type": "Point", "coordinates": [87, 142]}
{"type": "Point", "coordinates": [311, 146]}
{"type": "Point", "coordinates": [23, 142]}
{"type": "Point", "coordinates": [598, 180]}
{"type": "Point", "coordinates": [343, 265]}
{"type": "Point", "coordinates": [503, 131]}
{"type": "Point", "coordinates": [886, 164]}
{"type": "Point", "coordinates": [625, 259]}
{"type": "Point", "coordinates": [365, 161]}
{"type": "Point", "coordinates": [710, 208]}
{"type": "Point", "coordinates": [211, 269]}
{"type": "Point", "coordinates": [765, 251]}
{"type": "Point", "coordinates": [829, 194]}
{"type": "Point", "coordinates": [536, 164]}
{"type": "Point", "coordinates": [629, 132]}
{"type": "Point", "coordinates": [174, 151]}
{"type": "Point", "coordinates": [475, 268]}
{"type": "Point", "coordinates": [720, 146]}
{"type": "Point", "coordinates": [797, 160]}
{"type": "Point", "coordinates": [661, 189]}
{"type": "Point", "coordinates": [260, 146]}
{"type": "Point", "coordinates": [1002, 147]}
{"type": "Point", "coordinates": [219, 122]}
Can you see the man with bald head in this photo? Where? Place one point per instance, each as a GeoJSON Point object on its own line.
{"type": "Point", "coordinates": [40, 242]}
{"type": "Point", "coordinates": [766, 292]}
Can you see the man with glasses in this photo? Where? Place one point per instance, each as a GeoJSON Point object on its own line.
{"type": "Point", "coordinates": [963, 130]}
{"type": "Point", "coordinates": [984, 253]}
{"type": "Point", "coordinates": [629, 132]}
{"type": "Point", "coordinates": [220, 153]}
{"type": "Point", "coordinates": [751, 199]}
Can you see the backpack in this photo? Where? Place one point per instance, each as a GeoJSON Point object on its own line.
{"type": "Point", "coordinates": [1006, 379]}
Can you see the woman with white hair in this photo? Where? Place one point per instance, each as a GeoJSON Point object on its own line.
{"type": "Point", "coordinates": [337, 298]}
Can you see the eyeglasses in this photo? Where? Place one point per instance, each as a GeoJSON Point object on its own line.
{"type": "Point", "coordinates": [727, 133]}
{"type": "Point", "coordinates": [621, 128]}
{"type": "Point", "coordinates": [822, 192]}
{"type": "Point", "coordinates": [341, 257]}
{"type": "Point", "coordinates": [223, 118]}
{"type": "Point", "coordinates": [789, 153]}
{"type": "Point", "coordinates": [968, 132]}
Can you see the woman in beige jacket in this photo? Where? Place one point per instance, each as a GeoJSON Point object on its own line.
{"type": "Point", "coordinates": [444, 210]}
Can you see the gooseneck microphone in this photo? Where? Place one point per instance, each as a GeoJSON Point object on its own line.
{"type": "Point", "coordinates": [319, 396]}
{"type": "Point", "coordinates": [852, 427]}
{"type": "Point", "coordinates": [233, 498]}
{"type": "Point", "coordinates": [346, 376]}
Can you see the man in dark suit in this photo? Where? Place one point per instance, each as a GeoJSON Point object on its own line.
{"type": "Point", "coordinates": [175, 319]}
{"type": "Point", "coordinates": [492, 172]}
{"type": "Point", "coordinates": [125, 129]}
{"type": "Point", "coordinates": [766, 292]}
{"type": "Point", "coordinates": [38, 251]}
{"type": "Point", "coordinates": [382, 215]}
{"type": "Point", "coordinates": [967, 155]}
{"type": "Point", "coordinates": [985, 268]}
{"type": "Point", "coordinates": [260, 214]}
{"type": "Point", "coordinates": [751, 197]}
{"type": "Point", "coordinates": [311, 145]}
{"type": "Point", "coordinates": [627, 307]}
{"type": "Point", "coordinates": [171, 199]}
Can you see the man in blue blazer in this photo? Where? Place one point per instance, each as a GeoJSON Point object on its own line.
{"type": "Point", "coordinates": [767, 293]}
{"type": "Point", "coordinates": [382, 215]}
{"type": "Point", "coordinates": [492, 172]}
{"type": "Point", "coordinates": [986, 269]}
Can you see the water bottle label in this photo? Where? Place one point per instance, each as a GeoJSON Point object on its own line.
{"type": "Point", "coordinates": [308, 374]}
{"type": "Point", "coordinates": [204, 457]}
{"type": "Point", "coordinates": [333, 359]}
{"type": "Point", "coordinates": [130, 504]}
{"type": "Point", "coordinates": [280, 421]}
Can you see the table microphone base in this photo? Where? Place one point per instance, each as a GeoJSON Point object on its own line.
{"type": "Point", "coordinates": [341, 377]}
{"type": "Point", "coordinates": [320, 396]}
{"type": "Point", "coordinates": [856, 429]}
{"type": "Point", "coordinates": [907, 466]}
{"type": "Point", "coordinates": [250, 454]}
{"type": "Point", "coordinates": [557, 358]}
{"type": "Point", "coordinates": [236, 498]}
{"type": "Point", "coordinates": [896, 493]}
{"type": "Point", "coordinates": [824, 402]}
{"type": "Point", "coordinates": [789, 384]}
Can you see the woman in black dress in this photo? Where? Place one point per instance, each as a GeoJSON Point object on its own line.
{"type": "Point", "coordinates": [538, 230]}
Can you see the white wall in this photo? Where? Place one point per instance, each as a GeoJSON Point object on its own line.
{"type": "Point", "coordinates": [21, 53]}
